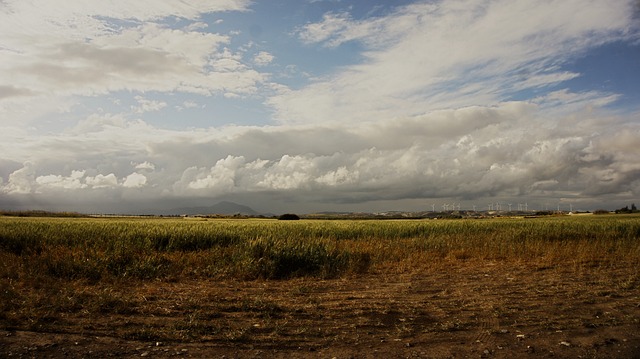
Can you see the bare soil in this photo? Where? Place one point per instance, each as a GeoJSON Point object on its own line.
{"type": "Point", "coordinates": [463, 310]}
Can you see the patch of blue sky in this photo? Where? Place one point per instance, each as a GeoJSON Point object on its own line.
{"type": "Point", "coordinates": [116, 25]}
{"type": "Point", "coordinates": [358, 9]}
{"type": "Point", "coordinates": [194, 111]}
{"type": "Point", "coordinates": [611, 68]}
{"type": "Point", "coordinates": [533, 93]}
{"type": "Point", "coordinates": [174, 111]}
{"type": "Point", "coordinates": [272, 27]}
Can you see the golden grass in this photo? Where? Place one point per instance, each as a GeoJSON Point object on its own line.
{"type": "Point", "coordinates": [96, 248]}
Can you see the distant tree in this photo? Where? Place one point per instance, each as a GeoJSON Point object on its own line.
{"type": "Point", "coordinates": [633, 208]}
{"type": "Point", "coordinates": [625, 209]}
{"type": "Point", "coordinates": [544, 213]}
{"type": "Point", "coordinates": [600, 211]}
{"type": "Point", "coordinates": [289, 217]}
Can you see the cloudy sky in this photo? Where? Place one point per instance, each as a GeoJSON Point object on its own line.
{"type": "Point", "coordinates": [314, 105]}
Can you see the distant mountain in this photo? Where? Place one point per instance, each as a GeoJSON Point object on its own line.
{"type": "Point", "coordinates": [224, 207]}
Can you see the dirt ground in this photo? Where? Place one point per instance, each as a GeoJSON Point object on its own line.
{"type": "Point", "coordinates": [466, 310]}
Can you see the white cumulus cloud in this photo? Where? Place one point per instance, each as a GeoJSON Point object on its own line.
{"type": "Point", "coordinates": [263, 58]}
{"type": "Point", "coordinates": [102, 181]}
{"type": "Point", "coordinates": [135, 180]}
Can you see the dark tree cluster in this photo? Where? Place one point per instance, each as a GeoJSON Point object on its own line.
{"type": "Point", "coordinates": [626, 209]}
{"type": "Point", "coordinates": [289, 217]}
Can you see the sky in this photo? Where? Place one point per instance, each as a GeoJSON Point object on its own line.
{"type": "Point", "coordinates": [117, 106]}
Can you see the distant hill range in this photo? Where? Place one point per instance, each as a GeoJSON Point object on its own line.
{"type": "Point", "coordinates": [224, 208]}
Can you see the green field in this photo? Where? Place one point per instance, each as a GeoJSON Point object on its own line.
{"type": "Point", "coordinates": [96, 249]}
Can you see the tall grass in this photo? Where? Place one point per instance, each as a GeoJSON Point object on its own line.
{"type": "Point", "coordinates": [99, 248]}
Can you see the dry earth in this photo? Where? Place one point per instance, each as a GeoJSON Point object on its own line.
{"type": "Point", "coordinates": [466, 310]}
